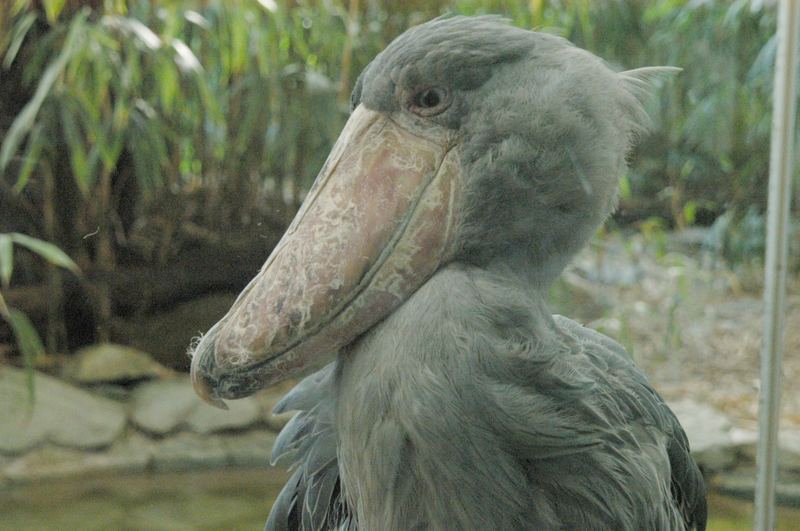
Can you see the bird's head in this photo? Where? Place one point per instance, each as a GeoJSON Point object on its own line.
{"type": "Point", "coordinates": [470, 140]}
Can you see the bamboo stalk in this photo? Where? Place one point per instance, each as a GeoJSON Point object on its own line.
{"type": "Point", "coordinates": [105, 256]}
{"type": "Point", "coordinates": [56, 330]}
{"type": "Point", "coordinates": [781, 159]}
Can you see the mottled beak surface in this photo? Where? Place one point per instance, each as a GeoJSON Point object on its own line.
{"type": "Point", "coordinates": [377, 223]}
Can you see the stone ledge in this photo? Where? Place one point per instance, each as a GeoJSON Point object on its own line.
{"type": "Point", "coordinates": [138, 453]}
{"type": "Point", "coordinates": [60, 414]}
{"type": "Point", "coordinates": [162, 425]}
{"type": "Point", "coordinates": [741, 484]}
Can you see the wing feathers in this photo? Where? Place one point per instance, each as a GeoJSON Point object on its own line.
{"type": "Point", "coordinates": [312, 499]}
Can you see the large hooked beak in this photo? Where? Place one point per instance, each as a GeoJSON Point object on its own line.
{"type": "Point", "coordinates": [377, 223]}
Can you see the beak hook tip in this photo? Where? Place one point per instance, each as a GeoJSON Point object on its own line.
{"type": "Point", "coordinates": [206, 391]}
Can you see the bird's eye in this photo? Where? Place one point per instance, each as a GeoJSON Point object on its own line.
{"type": "Point", "coordinates": [429, 102]}
{"type": "Point", "coordinates": [429, 98]}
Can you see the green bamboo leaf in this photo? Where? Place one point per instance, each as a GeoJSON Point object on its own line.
{"type": "Point", "coordinates": [46, 250]}
{"type": "Point", "coordinates": [20, 30]}
{"type": "Point", "coordinates": [111, 150]}
{"type": "Point", "coordinates": [132, 26]}
{"type": "Point", "coordinates": [6, 259]}
{"type": "Point", "coordinates": [239, 37]}
{"type": "Point", "coordinates": [118, 6]}
{"type": "Point", "coordinates": [25, 119]}
{"type": "Point", "coordinates": [690, 212]}
{"type": "Point", "coordinates": [78, 157]}
{"type": "Point", "coordinates": [147, 141]}
{"type": "Point", "coordinates": [196, 18]}
{"type": "Point", "coordinates": [269, 5]}
{"type": "Point", "coordinates": [28, 342]}
{"type": "Point", "coordinates": [625, 186]}
{"type": "Point", "coordinates": [145, 34]}
{"type": "Point", "coordinates": [185, 58]}
{"type": "Point", "coordinates": [31, 159]}
{"type": "Point", "coordinates": [168, 85]}
{"type": "Point", "coordinates": [52, 9]}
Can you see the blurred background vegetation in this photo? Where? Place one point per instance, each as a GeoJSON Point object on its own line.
{"type": "Point", "coordinates": [164, 145]}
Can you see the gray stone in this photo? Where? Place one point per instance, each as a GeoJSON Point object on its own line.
{"type": "Point", "coordinates": [186, 451]}
{"type": "Point", "coordinates": [61, 414]}
{"type": "Point", "coordinates": [43, 463]}
{"type": "Point", "coordinates": [614, 269]}
{"type": "Point", "coordinates": [709, 433]}
{"type": "Point", "coordinates": [789, 457]}
{"type": "Point", "coordinates": [132, 453]}
{"type": "Point", "coordinates": [240, 414]}
{"type": "Point", "coordinates": [789, 447]}
{"type": "Point", "coordinates": [165, 406]}
{"type": "Point", "coordinates": [161, 406]}
{"type": "Point", "coordinates": [109, 362]}
{"type": "Point", "coordinates": [128, 455]}
{"type": "Point", "coordinates": [251, 449]}
{"type": "Point", "coordinates": [741, 483]}
{"type": "Point", "coordinates": [690, 239]}
{"type": "Point", "coordinates": [120, 393]}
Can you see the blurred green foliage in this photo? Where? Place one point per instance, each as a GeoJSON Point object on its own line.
{"type": "Point", "coordinates": [239, 101]}
{"type": "Point", "coordinates": [27, 338]}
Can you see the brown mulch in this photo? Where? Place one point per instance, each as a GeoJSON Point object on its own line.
{"type": "Point", "coordinates": [693, 326]}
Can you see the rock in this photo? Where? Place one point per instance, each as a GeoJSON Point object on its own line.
{"type": "Point", "coordinates": [117, 392]}
{"type": "Point", "coordinates": [109, 362]}
{"type": "Point", "coordinates": [161, 406]}
{"type": "Point", "coordinates": [690, 239]}
{"type": "Point", "coordinates": [186, 451]}
{"type": "Point", "coordinates": [709, 433]}
{"type": "Point", "coordinates": [61, 414]}
{"type": "Point", "coordinates": [746, 442]}
{"type": "Point", "coordinates": [240, 414]}
{"type": "Point", "coordinates": [741, 483]}
{"type": "Point", "coordinates": [131, 454]}
{"type": "Point", "coordinates": [614, 269]}
{"type": "Point", "coordinates": [164, 406]}
{"type": "Point", "coordinates": [251, 449]}
{"type": "Point", "coordinates": [789, 457]}
{"type": "Point", "coordinates": [44, 463]}
{"type": "Point", "coordinates": [134, 452]}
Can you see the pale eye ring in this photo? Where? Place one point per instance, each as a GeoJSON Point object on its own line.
{"type": "Point", "coordinates": [429, 101]}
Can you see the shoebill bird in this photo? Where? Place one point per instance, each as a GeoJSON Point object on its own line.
{"type": "Point", "coordinates": [478, 158]}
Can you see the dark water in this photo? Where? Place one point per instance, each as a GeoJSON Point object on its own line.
{"type": "Point", "coordinates": [218, 499]}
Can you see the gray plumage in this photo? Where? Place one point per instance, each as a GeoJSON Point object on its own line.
{"type": "Point", "coordinates": [471, 407]}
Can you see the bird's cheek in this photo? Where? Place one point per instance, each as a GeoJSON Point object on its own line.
{"type": "Point", "coordinates": [377, 223]}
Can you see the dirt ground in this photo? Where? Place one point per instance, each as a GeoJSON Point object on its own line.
{"type": "Point", "coordinates": [694, 326]}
